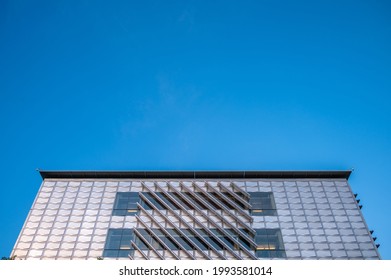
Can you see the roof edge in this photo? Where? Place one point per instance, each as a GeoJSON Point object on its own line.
{"type": "Point", "coordinates": [334, 174]}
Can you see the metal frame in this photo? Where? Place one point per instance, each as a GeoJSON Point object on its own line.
{"type": "Point", "coordinates": [209, 207]}
{"type": "Point", "coordinates": [226, 234]}
{"type": "Point", "coordinates": [187, 212]}
{"type": "Point", "coordinates": [179, 230]}
{"type": "Point", "coordinates": [245, 203]}
{"type": "Point", "coordinates": [239, 189]}
{"type": "Point", "coordinates": [332, 174]}
{"type": "Point", "coordinates": [223, 207]}
{"type": "Point", "coordinates": [196, 208]}
{"type": "Point", "coordinates": [213, 223]}
{"type": "Point", "coordinates": [167, 233]}
{"type": "Point", "coordinates": [157, 237]}
{"type": "Point", "coordinates": [148, 244]}
{"type": "Point", "coordinates": [226, 199]}
{"type": "Point", "coordinates": [138, 249]}
{"type": "Point", "coordinates": [176, 227]}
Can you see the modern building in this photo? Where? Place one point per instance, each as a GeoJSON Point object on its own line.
{"type": "Point", "coordinates": [195, 215]}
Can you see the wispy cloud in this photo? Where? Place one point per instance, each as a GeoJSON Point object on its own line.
{"type": "Point", "coordinates": [187, 18]}
{"type": "Point", "coordinates": [172, 103]}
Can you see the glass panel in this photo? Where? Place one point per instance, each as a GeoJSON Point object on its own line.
{"type": "Point", "coordinates": [125, 244]}
{"type": "Point", "coordinates": [113, 245]}
{"type": "Point", "coordinates": [245, 243]}
{"type": "Point", "coordinates": [145, 205]}
{"type": "Point", "coordinates": [141, 244]}
{"type": "Point", "coordinates": [125, 204]}
{"type": "Point", "coordinates": [113, 239]}
{"type": "Point", "coordinates": [159, 233]}
{"type": "Point", "coordinates": [262, 242]}
{"type": "Point", "coordinates": [117, 240]}
{"type": "Point", "coordinates": [119, 212]}
{"type": "Point", "coordinates": [167, 201]}
{"type": "Point", "coordinates": [143, 232]}
{"type": "Point", "coordinates": [213, 241]}
{"type": "Point", "coordinates": [277, 254]}
{"type": "Point", "coordinates": [214, 205]}
{"type": "Point", "coordinates": [169, 242]}
{"type": "Point", "coordinates": [128, 200]}
{"type": "Point", "coordinates": [127, 233]}
{"type": "Point", "coordinates": [125, 253]}
{"type": "Point", "coordinates": [183, 203]}
{"type": "Point", "coordinates": [153, 201]}
{"type": "Point", "coordinates": [199, 242]}
{"type": "Point", "coordinates": [234, 200]}
{"type": "Point", "coordinates": [110, 253]}
{"type": "Point", "coordinates": [155, 244]}
{"type": "Point", "coordinates": [269, 243]}
{"type": "Point", "coordinates": [223, 238]}
{"type": "Point", "coordinates": [262, 204]}
{"type": "Point", "coordinates": [187, 245]}
{"type": "Point", "coordinates": [263, 254]}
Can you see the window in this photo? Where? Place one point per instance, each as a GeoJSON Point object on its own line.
{"type": "Point", "coordinates": [146, 234]}
{"type": "Point", "coordinates": [196, 240]}
{"type": "Point", "coordinates": [242, 241]}
{"type": "Point", "coordinates": [262, 204]}
{"type": "Point", "coordinates": [269, 243]}
{"type": "Point", "coordinates": [174, 234]}
{"type": "Point", "coordinates": [118, 243]}
{"type": "Point", "coordinates": [126, 204]}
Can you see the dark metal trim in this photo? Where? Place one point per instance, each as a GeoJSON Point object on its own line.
{"type": "Point", "coordinates": [341, 174]}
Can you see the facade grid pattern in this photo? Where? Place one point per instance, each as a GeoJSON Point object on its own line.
{"type": "Point", "coordinates": [318, 218]}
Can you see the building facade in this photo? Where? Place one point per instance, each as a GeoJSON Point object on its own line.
{"type": "Point", "coordinates": [195, 215]}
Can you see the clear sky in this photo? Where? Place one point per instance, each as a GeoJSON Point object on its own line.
{"type": "Point", "coordinates": [195, 85]}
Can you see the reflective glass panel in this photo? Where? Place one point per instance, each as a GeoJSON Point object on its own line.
{"type": "Point", "coordinates": [125, 204]}
{"type": "Point", "coordinates": [262, 204]}
{"type": "Point", "coordinates": [118, 243]}
{"type": "Point", "coordinates": [269, 243]}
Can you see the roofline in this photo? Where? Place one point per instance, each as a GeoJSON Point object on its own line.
{"type": "Point", "coordinates": [336, 174]}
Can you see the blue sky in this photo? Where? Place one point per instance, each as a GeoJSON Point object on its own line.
{"type": "Point", "coordinates": [195, 85]}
